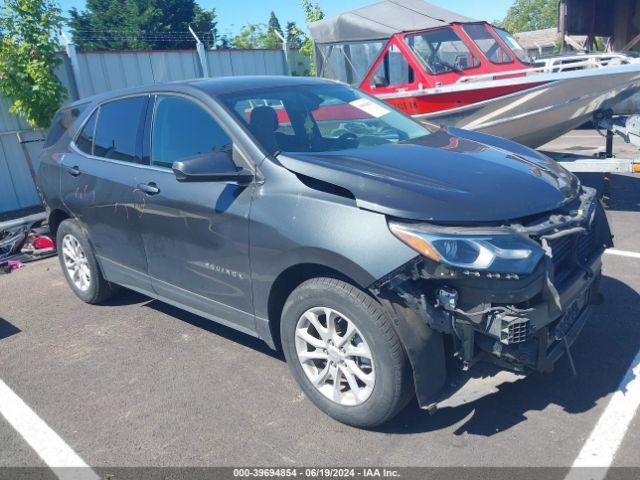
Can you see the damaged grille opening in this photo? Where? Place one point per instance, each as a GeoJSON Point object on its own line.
{"type": "Point", "coordinates": [563, 249]}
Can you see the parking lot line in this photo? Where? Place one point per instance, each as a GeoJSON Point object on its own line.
{"type": "Point", "coordinates": [622, 253]}
{"type": "Point", "coordinates": [605, 439]}
{"type": "Point", "coordinates": [65, 463]}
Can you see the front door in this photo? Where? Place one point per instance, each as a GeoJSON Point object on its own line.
{"type": "Point", "coordinates": [98, 186]}
{"type": "Point", "coordinates": [196, 234]}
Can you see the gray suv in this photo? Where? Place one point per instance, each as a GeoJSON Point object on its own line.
{"type": "Point", "coordinates": [387, 259]}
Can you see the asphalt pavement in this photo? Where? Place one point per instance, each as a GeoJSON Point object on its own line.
{"type": "Point", "coordinates": [136, 382]}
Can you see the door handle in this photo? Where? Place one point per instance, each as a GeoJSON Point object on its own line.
{"type": "Point", "coordinates": [73, 171]}
{"type": "Point", "coordinates": [149, 188]}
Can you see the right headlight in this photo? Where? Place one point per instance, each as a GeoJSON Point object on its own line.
{"type": "Point", "coordinates": [473, 249]}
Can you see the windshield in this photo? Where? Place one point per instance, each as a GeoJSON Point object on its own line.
{"type": "Point", "coordinates": [319, 118]}
{"type": "Point", "coordinates": [513, 44]}
{"type": "Point", "coordinates": [487, 43]}
{"type": "Point", "coordinates": [442, 51]}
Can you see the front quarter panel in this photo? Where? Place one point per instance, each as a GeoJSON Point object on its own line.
{"type": "Point", "coordinates": [293, 224]}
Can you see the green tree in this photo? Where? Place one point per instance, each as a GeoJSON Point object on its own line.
{"type": "Point", "coordinates": [28, 58]}
{"type": "Point", "coordinates": [205, 21]}
{"type": "Point", "coordinates": [312, 13]}
{"type": "Point", "coordinates": [295, 37]}
{"type": "Point", "coordinates": [110, 25]}
{"type": "Point", "coordinates": [272, 40]}
{"type": "Point", "coordinates": [136, 24]}
{"type": "Point", "coordinates": [252, 35]}
{"type": "Point", "coordinates": [274, 23]}
{"type": "Point", "coordinates": [526, 15]}
{"type": "Point", "coordinates": [225, 41]}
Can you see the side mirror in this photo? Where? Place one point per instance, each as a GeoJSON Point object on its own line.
{"type": "Point", "coordinates": [210, 167]}
{"type": "Point", "coordinates": [379, 81]}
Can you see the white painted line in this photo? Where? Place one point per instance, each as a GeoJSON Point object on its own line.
{"type": "Point", "coordinates": [58, 456]}
{"type": "Point", "coordinates": [622, 253]}
{"type": "Point", "coordinates": [606, 437]}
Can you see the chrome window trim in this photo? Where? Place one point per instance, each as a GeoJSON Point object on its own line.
{"type": "Point", "coordinates": [74, 147]}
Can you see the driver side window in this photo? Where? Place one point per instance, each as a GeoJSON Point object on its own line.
{"type": "Point", "coordinates": [183, 129]}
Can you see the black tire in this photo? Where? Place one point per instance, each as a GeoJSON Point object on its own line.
{"type": "Point", "coordinates": [99, 289]}
{"type": "Point", "coordinates": [393, 386]}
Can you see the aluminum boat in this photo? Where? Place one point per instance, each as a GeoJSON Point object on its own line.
{"type": "Point", "coordinates": [441, 67]}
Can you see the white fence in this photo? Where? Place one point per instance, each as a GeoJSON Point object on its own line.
{"type": "Point", "coordinates": [90, 73]}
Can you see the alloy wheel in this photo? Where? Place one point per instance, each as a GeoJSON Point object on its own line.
{"type": "Point", "coordinates": [76, 263]}
{"type": "Point", "coordinates": [335, 356]}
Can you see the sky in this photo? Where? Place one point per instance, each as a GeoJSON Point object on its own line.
{"type": "Point", "coordinates": [233, 14]}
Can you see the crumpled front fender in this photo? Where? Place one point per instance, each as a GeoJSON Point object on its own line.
{"type": "Point", "coordinates": [423, 345]}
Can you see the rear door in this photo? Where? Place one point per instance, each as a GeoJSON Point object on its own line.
{"type": "Point", "coordinates": [99, 186]}
{"type": "Point", "coordinates": [196, 234]}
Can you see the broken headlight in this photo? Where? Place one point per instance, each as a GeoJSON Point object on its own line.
{"type": "Point", "coordinates": [475, 249]}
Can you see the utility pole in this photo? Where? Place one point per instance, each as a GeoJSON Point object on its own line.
{"type": "Point", "coordinates": [202, 54]}
{"type": "Point", "coordinates": [285, 49]}
{"type": "Point", "coordinates": [70, 48]}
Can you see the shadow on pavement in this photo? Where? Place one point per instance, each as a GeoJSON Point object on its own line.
{"type": "Point", "coordinates": [215, 328]}
{"type": "Point", "coordinates": [125, 297]}
{"type": "Point", "coordinates": [7, 329]}
{"type": "Point", "coordinates": [129, 297]}
{"type": "Point", "coordinates": [625, 193]}
{"type": "Point", "coordinates": [602, 354]}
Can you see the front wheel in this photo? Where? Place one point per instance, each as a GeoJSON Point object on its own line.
{"type": "Point", "coordinates": [344, 352]}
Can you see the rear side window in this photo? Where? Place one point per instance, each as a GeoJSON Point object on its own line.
{"type": "Point", "coordinates": [119, 124]}
{"type": "Point", "coordinates": [85, 139]}
{"type": "Point", "coordinates": [183, 129]}
{"type": "Point", "coordinates": [61, 123]}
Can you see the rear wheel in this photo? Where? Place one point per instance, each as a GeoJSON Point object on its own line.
{"type": "Point", "coordinates": [80, 266]}
{"type": "Point", "coordinates": [344, 353]}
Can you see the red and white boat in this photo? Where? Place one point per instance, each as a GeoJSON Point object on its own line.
{"type": "Point", "coordinates": [445, 68]}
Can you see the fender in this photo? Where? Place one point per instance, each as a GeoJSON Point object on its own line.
{"type": "Point", "coordinates": [423, 345]}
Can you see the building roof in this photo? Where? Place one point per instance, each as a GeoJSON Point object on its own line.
{"type": "Point", "coordinates": [538, 38]}
{"type": "Point", "coordinates": [381, 20]}
{"type": "Point", "coordinates": [545, 38]}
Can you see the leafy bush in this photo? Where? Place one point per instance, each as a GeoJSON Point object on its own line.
{"type": "Point", "coordinates": [312, 13]}
{"type": "Point", "coordinates": [28, 58]}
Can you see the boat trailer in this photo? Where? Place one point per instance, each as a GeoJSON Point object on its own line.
{"type": "Point", "coordinates": [607, 125]}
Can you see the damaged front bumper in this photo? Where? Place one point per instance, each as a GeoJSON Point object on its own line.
{"type": "Point", "coordinates": [464, 330]}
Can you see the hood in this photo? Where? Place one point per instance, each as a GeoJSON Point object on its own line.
{"type": "Point", "coordinates": [449, 176]}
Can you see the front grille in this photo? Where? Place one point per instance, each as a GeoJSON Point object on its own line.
{"type": "Point", "coordinates": [516, 331]}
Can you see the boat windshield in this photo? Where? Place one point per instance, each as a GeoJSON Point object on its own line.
{"type": "Point", "coordinates": [442, 51]}
{"type": "Point", "coordinates": [487, 43]}
{"type": "Point", "coordinates": [513, 44]}
{"type": "Point", "coordinates": [319, 118]}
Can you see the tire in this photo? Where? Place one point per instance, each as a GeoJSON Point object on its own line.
{"type": "Point", "coordinates": [384, 384]}
{"type": "Point", "coordinates": [72, 242]}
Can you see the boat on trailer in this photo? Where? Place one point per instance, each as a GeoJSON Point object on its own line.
{"type": "Point", "coordinates": [441, 67]}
